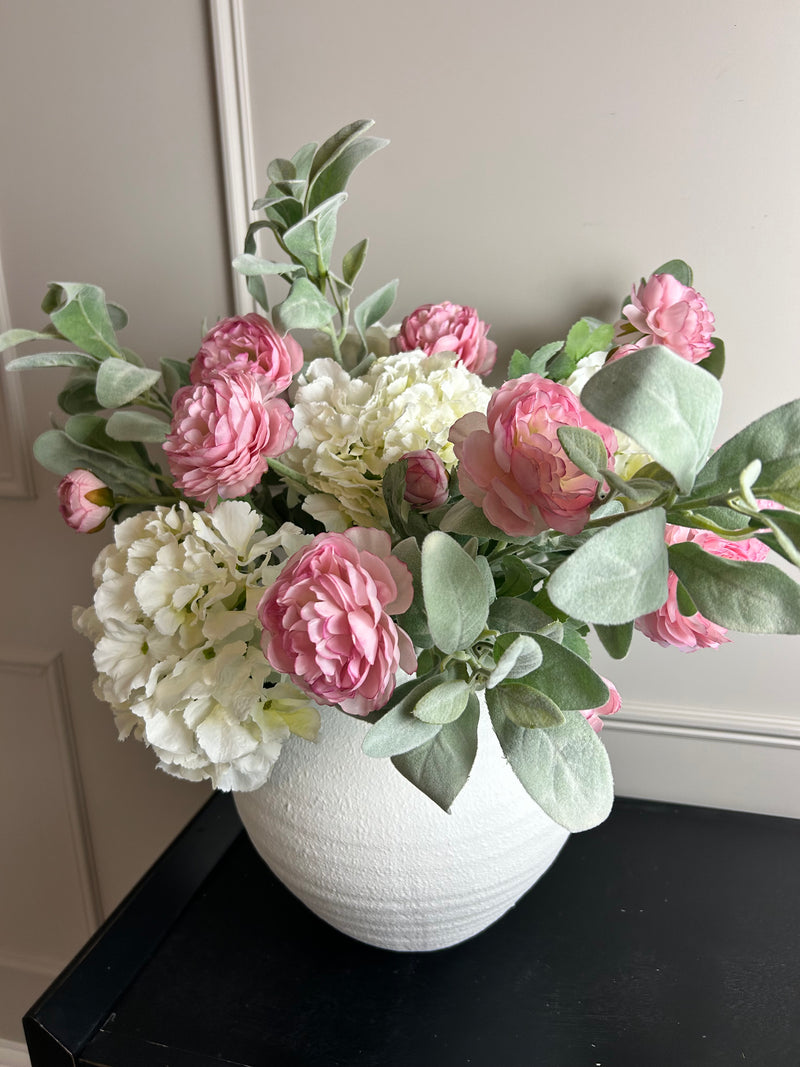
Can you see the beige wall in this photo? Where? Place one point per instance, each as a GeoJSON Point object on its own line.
{"type": "Point", "coordinates": [542, 159]}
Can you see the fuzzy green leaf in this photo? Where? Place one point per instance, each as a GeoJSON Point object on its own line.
{"type": "Point", "coordinates": [54, 359]}
{"type": "Point", "coordinates": [669, 406]}
{"type": "Point", "coordinates": [336, 144]}
{"type": "Point", "coordinates": [442, 704]}
{"type": "Point", "coordinates": [81, 316]}
{"type": "Point", "coordinates": [585, 449]}
{"type": "Point", "coordinates": [305, 308]}
{"type": "Point", "coordinates": [564, 768]}
{"type": "Point", "coordinates": [616, 640]}
{"type": "Point", "coordinates": [748, 597]}
{"type": "Point", "coordinates": [12, 338]}
{"type": "Point", "coordinates": [251, 265]}
{"type": "Point", "coordinates": [333, 177]}
{"type": "Point", "coordinates": [678, 268]}
{"type": "Point", "coordinates": [119, 383]}
{"type": "Point", "coordinates": [136, 426]}
{"type": "Point", "coordinates": [441, 766]}
{"type": "Point", "coordinates": [515, 660]}
{"type": "Point", "coordinates": [353, 261]}
{"type": "Point", "coordinates": [373, 309]}
{"type": "Point", "coordinates": [524, 706]}
{"type": "Point", "coordinates": [566, 678]}
{"type": "Point", "coordinates": [311, 239]}
{"type": "Point", "coordinates": [456, 600]}
{"type": "Point", "coordinates": [618, 574]}
{"type": "Point", "coordinates": [414, 621]}
{"type": "Point", "coordinates": [398, 730]}
{"type": "Point", "coordinates": [509, 615]}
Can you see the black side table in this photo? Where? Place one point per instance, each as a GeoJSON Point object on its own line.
{"type": "Point", "coordinates": [668, 937]}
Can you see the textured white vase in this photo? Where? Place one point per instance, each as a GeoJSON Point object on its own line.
{"type": "Point", "coordinates": [368, 853]}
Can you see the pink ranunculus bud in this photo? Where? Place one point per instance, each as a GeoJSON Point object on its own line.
{"type": "Point", "coordinates": [667, 626]}
{"type": "Point", "coordinates": [448, 327]}
{"type": "Point", "coordinates": [611, 707]}
{"type": "Point", "coordinates": [663, 311]}
{"type": "Point", "coordinates": [427, 486]}
{"type": "Point", "coordinates": [327, 622]}
{"type": "Point", "coordinates": [223, 432]}
{"type": "Point", "coordinates": [84, 501]}
{"type": "Point", "coordinates": [512, 465]}
{"type": "Point", "coordinates": [252, 343]}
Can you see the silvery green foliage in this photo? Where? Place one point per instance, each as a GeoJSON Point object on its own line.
{"type": "Point", "coordinates": [505, 615]}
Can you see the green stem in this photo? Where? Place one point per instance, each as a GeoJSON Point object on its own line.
{"type": "Point", "coordinates": [291, 476]}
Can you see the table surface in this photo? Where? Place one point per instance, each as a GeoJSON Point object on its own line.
{"type": "Point", "coordinates": [670, 935]}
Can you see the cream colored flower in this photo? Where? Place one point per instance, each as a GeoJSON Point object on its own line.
{"type": "Point", "coordinates": [350, 430]}
{"type": "Point", "coordinates": [177, 642]}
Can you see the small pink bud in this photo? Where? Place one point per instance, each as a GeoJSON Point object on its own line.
{"type": "Point", "coordinates": [426, 480]}
{"type": "Point", "coordinates": [84, 501]}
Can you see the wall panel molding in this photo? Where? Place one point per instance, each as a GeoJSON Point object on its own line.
{"type": "Point", "coordinates": [236, 129]}
{"type": "Point", "coordinates": [16, 471]}
{"type": "Point", "coordinates": [46, 669]}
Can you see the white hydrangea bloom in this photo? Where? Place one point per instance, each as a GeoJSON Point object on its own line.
{"type": "Point", "coordinates": [177, 642]}
{"type": "Point", "coordinates": [350, 430]}
{"type": "Point", "coordinates": [629, 456]}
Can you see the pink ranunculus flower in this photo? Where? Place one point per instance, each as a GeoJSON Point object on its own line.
{"type": "Point", "coordinates": [667, 626]}
{"type": "Point", "coordinates": [664, 311]}
{"type": "Point", "coordinates": [223, 432]}
{"type": "Point", "coordinates": [448, 327]}
{"type": "Point", "coordinates": [611, 707]}
{"type": "Point", "coordinates": [512, 465]}
{"type": "Point", "coordinates": [84, 501]}
{"type": "Point", "coordinates": [252, 343]}
{"type": "Point", "coordinates": [427, 486]}
{"type": "Point", "coordinates": [327, 622]}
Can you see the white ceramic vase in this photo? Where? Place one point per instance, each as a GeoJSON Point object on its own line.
{"type": "Point", "coordinates": [368, 853]}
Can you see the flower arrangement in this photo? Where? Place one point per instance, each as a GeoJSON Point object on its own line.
{"type": "Point", "coordinates": [359, 524]}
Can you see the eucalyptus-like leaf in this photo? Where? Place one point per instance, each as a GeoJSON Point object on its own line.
{"type": "Point", "coordinates": [54, 359]}
{"type": "Point", "coordinates": [119, 383]}
{"type": "Point", "coordinates": [336, 144]}
{"type": "Point", "coordinates": [398, 730]}
{"type": "Point", "coordinates": [508, 615]}
{"type": "Point", "coordinates": [740, 595]}
{"type": "Point", "coordinates": [454, 591]}
{"type": "Point", "coordinates": [669, 406]}
{"type": "Point", "coordinates": [414, 621]}
{"type": "Point", "coordinates": [353, 261]}
{"type": "Point", "coordinates": [714, 362]}
{"type": "Point", "coordinates": [678, 268]}
{"type": "Point", "coordinates": [136, 426]}
{"type": "Point", "coordinates": [618, 574]}
{"type": "Point", "coordinates": [519, 658]}
{"type": "Point", "coordinates": [524, 706]}
{"type": "Point", "coordinates": [303, 158]}
{"type": "Point", "coordinates": [566, 678]}
{"type": "Point", "coordinates": [80, 314]}
{"type": "Point", "coordinates": [176, 374]}
{"type": "Point", "coordinates": [311, 239]}
{"type": "Point", "coordinates": [251, 265]}
{"type": "Point", "coordinates": [774, 439]}
{"type": "Point", "coordinates": [373, 309]}
{"type": "Point", "coordinates": [444, 703]}
{"type": "Point", "coordinates": [334, 176]}
{"type": "Point", "coordinates": [58, 453]}
{"type": "Point", "coordinates": [78, 395]}
{"type": "Point", "coordinates": [585, 449]}
{"type": "Point", "coordinates": [564, 768]}
{"type": "Point", "coordinates": [305, 308]}
{"type": "Point", "coordinates": [616, 640]}
{"type": "Point", "coordinates": [12, 338]}
{"type": "Point", "coordinates": [441, 766]}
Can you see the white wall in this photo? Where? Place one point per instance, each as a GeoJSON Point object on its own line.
{"type": "Point", "coordinates": [542, 159]}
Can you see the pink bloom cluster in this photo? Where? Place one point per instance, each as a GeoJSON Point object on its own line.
{"type": "Point", "coordinates": [512, 464]}
{"type": "Point", "coordinates": [663, 311]}
{"type": "Point", "coordinates": [427, 486]}
{"type": "Point", "coordinates": [249, 342]}
{"type": "Point", "coordinates": [448, 327]}
{"type": "Point", "coordinates": [611, 707]}
{"type": "Point", "coordinates": [84, 501]}
{"type": "Point", "coordinates": [222, 433]}
{"type": "Point", "coordinates": [228, 422]}
{"type": "Point", "coordinates": [667, 626]}
{"type": "Point", "coordinates": [327, 619]}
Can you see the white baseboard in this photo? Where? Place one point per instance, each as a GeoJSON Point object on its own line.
{"type": "Point", "coordinates": [706, 756]}
{"type": "Point", "coordinates": [13, 1054]}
